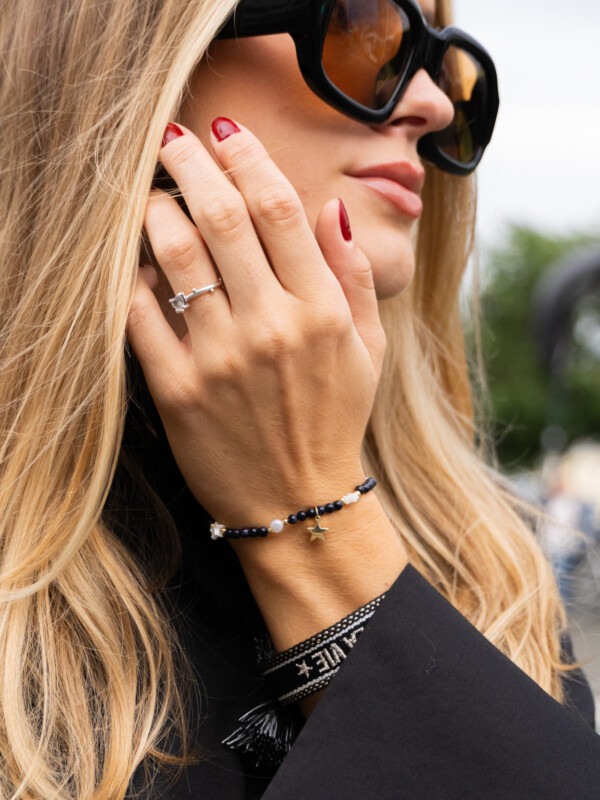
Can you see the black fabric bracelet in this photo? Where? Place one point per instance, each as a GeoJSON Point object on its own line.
{"type": "Point", "coordinates": [267, 732]}
{"type": "Point", "coordinates": [309, 666]}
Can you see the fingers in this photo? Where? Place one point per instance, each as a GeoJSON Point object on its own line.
{"type": "Point", "coordinates": [184, 257]}
{"type": "Point", "coordinates": [353, 270]}
{"type": "Point", "coordinates": [276, 211]}
{"type": "Point", "coordinates": [223, 222]}
{"type": "Point", "coordinates": [325, 270]}
{"type": "Point", "coordinates": [163, 358]}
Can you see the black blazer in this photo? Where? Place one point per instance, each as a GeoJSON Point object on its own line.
{"type": "Point", "coordinates": [423, 707]}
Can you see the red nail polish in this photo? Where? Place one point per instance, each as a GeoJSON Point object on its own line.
{"type": "Point", "coordinates": [345, 222]}
{"type": "Point", "coordinates": [172, 131]}
{"type": "Point", "coordinates": [223, 128]}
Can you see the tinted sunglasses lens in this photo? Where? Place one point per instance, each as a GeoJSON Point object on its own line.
{"type": "Point", "coordinates": [366, 49]}
{"type": "Point", "coordinates": [464, 80]}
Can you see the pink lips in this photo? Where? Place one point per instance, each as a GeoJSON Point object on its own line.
{"type": "Point", "coordinates": [401, 183]}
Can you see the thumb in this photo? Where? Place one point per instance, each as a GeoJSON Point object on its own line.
{"type": "Point", "coordinates": [353, 270]}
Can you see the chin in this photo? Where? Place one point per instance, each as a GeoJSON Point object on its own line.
{"type": "Point", "coordinates": [386, 287]}
{"type": "Point", "coordinates": [392, 272]}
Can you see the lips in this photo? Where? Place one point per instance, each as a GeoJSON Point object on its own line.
{"type": "Point", "coordinates": [401, 183]}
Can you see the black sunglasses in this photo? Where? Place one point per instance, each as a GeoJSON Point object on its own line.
{"type": "Point", "coordinates": [360, 55]}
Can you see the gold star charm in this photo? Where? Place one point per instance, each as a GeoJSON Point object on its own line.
{"type": "Point", "coordinates": [317, 531]}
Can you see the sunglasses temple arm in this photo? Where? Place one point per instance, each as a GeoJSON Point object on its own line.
{"type": "Point", "coordinates": [257, 18]}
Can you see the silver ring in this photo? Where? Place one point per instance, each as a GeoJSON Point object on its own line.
{"type": "Point", "coordinates": [181, 301]}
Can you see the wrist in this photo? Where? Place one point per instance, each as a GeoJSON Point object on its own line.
{"type": "Point", "coordinates": [302, 587]}
{"type": "Point", "coordinates": [319, 498]}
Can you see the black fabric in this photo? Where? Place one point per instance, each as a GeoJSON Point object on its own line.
{"type": "Point", "coordinates": [423, 707]}
{"type": "Point", "coordinates": [428, 708]}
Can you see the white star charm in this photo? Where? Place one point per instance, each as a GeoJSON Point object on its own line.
{"type": "Point", "coordinates": [303, 669]}
{"type": "Point", "coordinates": [216, 530]}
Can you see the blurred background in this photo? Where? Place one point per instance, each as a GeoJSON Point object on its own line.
{"type": "Point", "coordinates": [539, 260]}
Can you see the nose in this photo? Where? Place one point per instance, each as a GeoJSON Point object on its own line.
{"type": "Point", "coordinates": [423, 108]}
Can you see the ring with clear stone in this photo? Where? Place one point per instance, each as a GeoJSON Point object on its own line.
{"type": "Point", "coordinates": [181, 301]}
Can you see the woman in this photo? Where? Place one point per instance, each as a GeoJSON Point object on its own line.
{"type": "Point", "coordinates": [329, 350]}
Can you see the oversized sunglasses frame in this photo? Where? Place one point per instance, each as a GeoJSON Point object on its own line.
{"type": "Point", "coordinates": [307, 21]}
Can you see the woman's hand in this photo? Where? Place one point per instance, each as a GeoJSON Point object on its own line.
{"type": "Point", "coordinates": [266, 399]}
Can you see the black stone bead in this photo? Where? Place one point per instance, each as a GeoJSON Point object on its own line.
{"type": "Point", "coordinates": [329, 508]}
{"type": "Point", "coordinates": [321, 510]}
{"type": "Point", "coordinates": [233, 532]}
{"type": "Point", "coordinates": [361, 488]}
{"type": "Point", "coordinates": [292, 519]}
{"type": "Point", "coordinates": [263, 531]}
{"type": "Point", "coordinates": [301, 515]}
{"type": "Point", "coordinates": [245, 532]}
{"type": "Point", "coordinates": [253, 531]}
{"type": "Point", "coordinates": [338, 504]}
{"type": "Point", "coordinates": [311, 512]}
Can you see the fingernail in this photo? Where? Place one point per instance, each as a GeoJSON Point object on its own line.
{"type": "Point", "coordinates": [172, 131]}
{"type": "Point", "coordinates": [345, 222]}
{"type": "Point", "coordinates": [223, 127]}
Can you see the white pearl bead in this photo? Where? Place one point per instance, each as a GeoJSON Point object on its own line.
{"type": "Point", "coordinates": [353, 497]}
{"type": "Point", "coordinates": [276, 526]}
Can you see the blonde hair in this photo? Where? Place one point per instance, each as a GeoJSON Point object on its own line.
{"type": "Point", "coordinates": [88, 654]}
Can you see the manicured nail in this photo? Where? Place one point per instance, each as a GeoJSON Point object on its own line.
{"type": "Point", "coordinates": [172, 131]}
{"type": "Point", "coordinates": [223, 127]}
{"type": "Point", "coordinates": [345, 222]}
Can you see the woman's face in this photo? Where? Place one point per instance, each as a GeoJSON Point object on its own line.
{"type": "Point", "coordinates": [257, 81]}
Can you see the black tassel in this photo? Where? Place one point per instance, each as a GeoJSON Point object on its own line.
{"type": "Point", "coordinates": [264, 649]}
{"type": "Point", "coordinates": [267, 732]}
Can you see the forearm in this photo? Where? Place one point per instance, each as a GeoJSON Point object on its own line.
{"type": "Point", "coordinates": [306, 586]}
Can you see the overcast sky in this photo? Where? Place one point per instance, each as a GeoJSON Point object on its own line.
{"type": "Point", "coordinates": [543, 165]}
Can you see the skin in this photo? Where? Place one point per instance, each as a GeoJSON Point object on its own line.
{"type": "Point", "coordinates": [258, 81]}
{"type": "Point", "coordinates": [265, 389]}
{"type": "Point", "coordinates": [315, 146]}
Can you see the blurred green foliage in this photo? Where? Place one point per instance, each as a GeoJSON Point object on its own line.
{"type": "Point", "coordinates": [524, 397]}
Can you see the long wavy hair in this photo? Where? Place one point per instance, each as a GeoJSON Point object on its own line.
{"type": "Point", "coordinates": [89, 660]}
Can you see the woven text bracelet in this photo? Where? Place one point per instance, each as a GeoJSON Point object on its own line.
{"type": "Point", "coordinates": [309, 666]}
{"type": "Point", "coordinates": [219, 531]}
{"type": "Point", "coordinates": [267, 731]}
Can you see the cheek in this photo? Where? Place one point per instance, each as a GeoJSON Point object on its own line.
{"type": "Point", "coordinates": [249, 79]}
{"type": "Point", "coordinates": [258, 82]}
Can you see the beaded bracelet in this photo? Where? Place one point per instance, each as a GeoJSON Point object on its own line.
{"type": "Point", "coordinates": [219, 531]}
